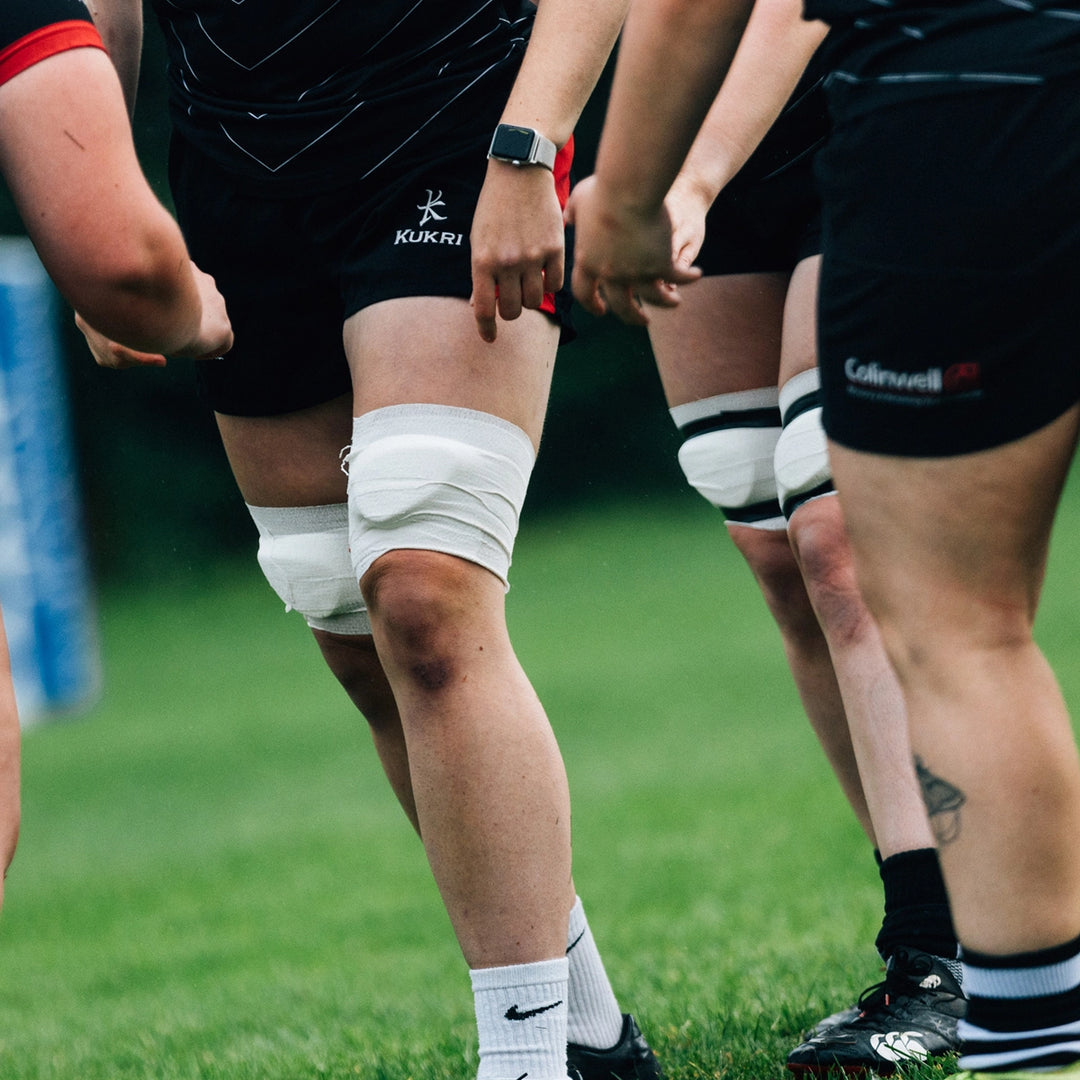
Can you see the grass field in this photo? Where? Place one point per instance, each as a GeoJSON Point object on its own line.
{"type": "Point", "coordinates": [214, 881]}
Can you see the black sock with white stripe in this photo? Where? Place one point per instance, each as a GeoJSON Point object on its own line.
{"type": "Point", "coordinates": [1023, 1010]}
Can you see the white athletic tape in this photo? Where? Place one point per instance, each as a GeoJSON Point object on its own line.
{"type": "Point", "coordinates": [436, 478]}
{"type": "Point", "coordinates": [304, 553]}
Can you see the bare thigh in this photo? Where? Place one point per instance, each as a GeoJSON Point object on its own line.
{"type": "Point", "coordinates": [799, 347]}
{"type": "Point", "coordinates": [958, 544]}
{"type": "Point", "coordinates": [724, 336]}
{"type": "Point", "coordinates": [423, 349]}
{"type": "Point", "coordinates": [427, 350]}
{"type": "Point", "coordinates": [292, 459]}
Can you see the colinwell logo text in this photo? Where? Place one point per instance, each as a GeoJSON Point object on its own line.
{"type": "Point", "coordinates": [930, 381]}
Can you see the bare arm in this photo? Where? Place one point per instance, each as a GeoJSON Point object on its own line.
{"type": "Point", "coordinates": [518, 233]}
{"type": "Point", "coordinates": [775, 49]}
{"type": "Point", "coordinates": [113, 250]}
{"type": "Point", "coordinates": [673, 58]}
{"type": "Point", "coordinates": [120, 23]}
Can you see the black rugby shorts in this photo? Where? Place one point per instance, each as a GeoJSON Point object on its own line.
{"type": "Point", "coordinates": [949, 317]}
{"type": "Point", "coordinates": [768, 218]}
{"type": "Point", "coordinates": [293, 268]}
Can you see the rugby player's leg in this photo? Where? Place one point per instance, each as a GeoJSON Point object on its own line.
{"type": "Point", "coordinates": [487, 778]}
{"type": "Point", "coordinates": [725, 338]}
{"type": "Point", "coordinates": [294, 460]}
{"type": "Point", "coordinates": [872, 698]}
{"type": "Point", "coordinates": [950, 554]}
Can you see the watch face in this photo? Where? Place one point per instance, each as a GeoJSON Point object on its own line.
{"type": "Point", "coordinates": [512, 142]}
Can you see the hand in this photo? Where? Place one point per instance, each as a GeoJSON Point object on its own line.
{"type": "Point", "coordinates": [622, 259]}
{"type": "Point", "coordinates": [215, 337]}
{"type": "Point", "coordinates": [110, 354]}
{"type": "Point", "coordinates": [687, 207]}
{"type": "Point", "coordinates": [518, 243]}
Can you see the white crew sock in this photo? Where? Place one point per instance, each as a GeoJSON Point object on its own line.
{"type": "Point", "coordinates": [593, 1017]}
{"type": "Point", "coordinates": [521, 1020]}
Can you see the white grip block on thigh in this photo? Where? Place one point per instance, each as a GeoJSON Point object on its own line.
{"type": "Point", "coordinates": [304, 553]}
{"type": "Point", "coordinates": [802, 453]}
{"type": "Point", "coordinates": [729, 442]}
{"type": "Point", "coordinates": [436, 478]}
{"type": "Point", "coordinates": [731, 467]}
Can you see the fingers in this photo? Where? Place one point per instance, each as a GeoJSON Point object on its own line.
{"type": "Point", "coordinates": [623, 302]}
{"type": "Point", "coordinates": [630, 302]}
{"type": "Point", "coordinates": [587, 292]}
{"type": "Point", "coordinates": [628, 299]}
{"type": "Point", "coordinates": [110, 354]}
{"type": "Point", "coordinates": [483, 305]}
{"type": "Point", "coordinates": [505, 292]}
{"type": "Point", "coordinates": [119, 357]}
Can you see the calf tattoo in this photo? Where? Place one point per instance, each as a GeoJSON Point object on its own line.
{"type": "Point", "coordinates": [943, 802]}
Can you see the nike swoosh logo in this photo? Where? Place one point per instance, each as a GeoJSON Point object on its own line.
{"type": "Point", "coordinates": [513, 1013]}
{"type": "Point", "coordinates": [569, 948]}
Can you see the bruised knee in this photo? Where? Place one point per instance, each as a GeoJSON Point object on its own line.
{"type": "Point", "coordinates": [824, 556]}
{"type": "Point", "coordinates": [419, 603]}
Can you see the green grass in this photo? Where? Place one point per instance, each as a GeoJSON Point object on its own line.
{"type": "Point", "coordinates": [215, 882]}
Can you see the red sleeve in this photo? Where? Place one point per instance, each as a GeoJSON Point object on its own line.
{"type": "Point", "coordinates": [49, 40]}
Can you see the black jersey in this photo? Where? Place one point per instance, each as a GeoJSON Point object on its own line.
{"type": "Point", "coordinates": [30, 30]}
{"type": "Point", "coordinates": [974, 35]}
{"type": "Point", "coordinates": [295, 94]}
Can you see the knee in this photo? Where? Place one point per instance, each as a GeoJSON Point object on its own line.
{"type": "Point", "coordinates": [955, 633]}
{"type": "Point", "coordinates": [417, 598]}
{"type": "Point", "coordinates": [729, 443]}
{"type": "Point", "coordinates": [801, 462]}
{"type": "Point", "coordinates": [769, 555]}
{"type": "Point", "coordinates": [438, 480]}
{"type": "Point", "coordinates": [821, 549]}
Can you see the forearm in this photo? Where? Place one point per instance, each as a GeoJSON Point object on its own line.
{"type": "Point", "coordinates": [120, 23]}
{"type": "Point", "coordinates": [571, 41]}
{"type": "Point", "coordinates": [149, 303]}
{"type": "Point", "coordinates": [775, 49]}
{"type": "Point", "coordinates": [672, 59]}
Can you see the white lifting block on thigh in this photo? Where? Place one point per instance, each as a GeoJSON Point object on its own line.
{"type": "Point", "coordinates": [802, 453]}
{"type": "Point", "coordinates": [304, 553]}
{"type": "Point", "coordinates": [732, 467]}
{"type": "Point", "coordinates": [436, 478]}
{"type": "Point", "coordinates": [727, 454]}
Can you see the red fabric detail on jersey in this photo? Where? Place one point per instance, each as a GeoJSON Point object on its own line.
{"type": "Point", "coordinates": [563, 160]}
{"type": "Point", "coordinates": [46, 42]}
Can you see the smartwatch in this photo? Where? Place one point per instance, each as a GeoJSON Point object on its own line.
{"type": "Point", "coordinates": [521, 146]}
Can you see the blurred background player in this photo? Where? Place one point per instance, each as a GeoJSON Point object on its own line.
{"type": "Point", "coordinates": [112, 249]}
{"type": "Point", "coordinates": [735, 357]}
{"type": "Point", "coordinates": [354, 179]}
{"type": "Point", "coordinates": [947, 349]}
